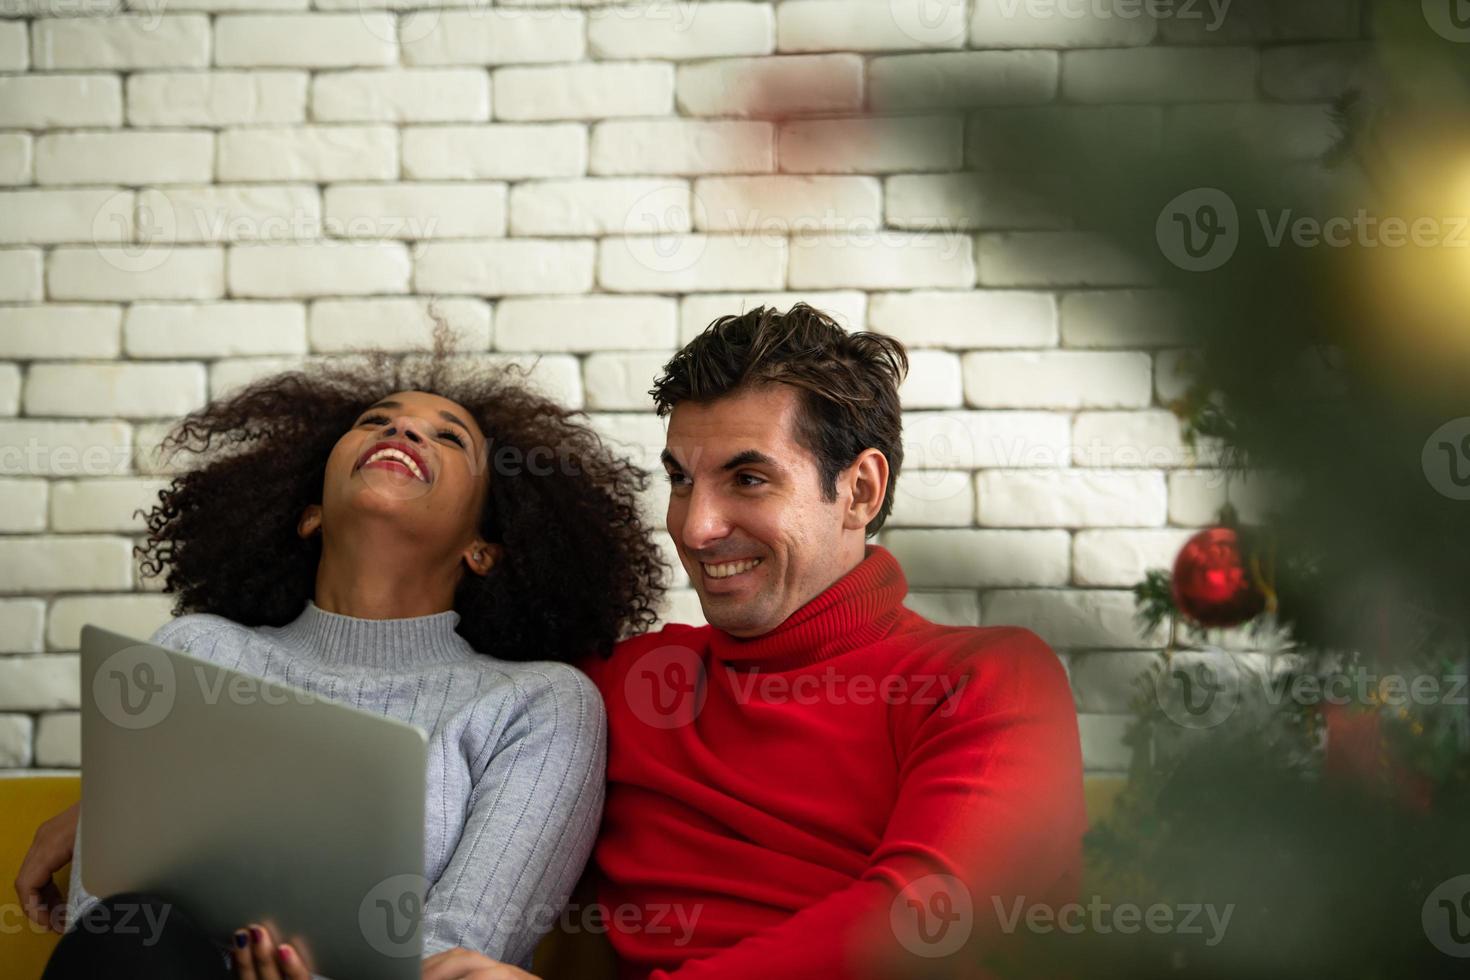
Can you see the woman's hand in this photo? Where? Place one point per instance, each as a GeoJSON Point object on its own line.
{"type": "Point", "coordinates": [465, 964]}
{"type": "Point", "coordinates": [51, 849]}
{"type": "Point", "coordinates": [258, 956]}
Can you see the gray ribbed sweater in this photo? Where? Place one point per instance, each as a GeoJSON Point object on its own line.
{"type": "Point", "coordinates": [515, 767]}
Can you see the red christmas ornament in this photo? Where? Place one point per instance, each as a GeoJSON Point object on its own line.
{"type": "Point", "coordinates": [1211, 584]}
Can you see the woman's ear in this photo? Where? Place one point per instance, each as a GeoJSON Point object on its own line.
{"type": "Point", "coordinates": [481, 556]}
{"type": "Point", "coordinates": [311, 521]}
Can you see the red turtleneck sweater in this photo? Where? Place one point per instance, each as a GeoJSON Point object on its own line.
{"type": "Point", "coordinates": [855, 787]}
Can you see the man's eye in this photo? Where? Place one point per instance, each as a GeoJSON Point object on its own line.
{"type": "Point", "coordinates": [749, 480]}
{"type": "Point", "coordinates": [676, 479]}
{"type": "Point", "coordinates": [452, 437]}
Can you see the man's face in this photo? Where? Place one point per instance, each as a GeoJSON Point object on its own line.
{"type": "Point", "coordinates": [746, 511]}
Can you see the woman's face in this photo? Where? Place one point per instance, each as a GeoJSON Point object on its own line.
{"type": "Point", "coordinates": [416, 460]}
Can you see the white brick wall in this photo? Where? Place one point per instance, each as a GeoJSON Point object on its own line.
{"type": "Point", "coordinates": [199, 193]}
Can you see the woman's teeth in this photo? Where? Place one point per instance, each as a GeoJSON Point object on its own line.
{"type": "Point", "coordinates": [729, 568]}
{"type": "Point", "coordinates": [397, 456]}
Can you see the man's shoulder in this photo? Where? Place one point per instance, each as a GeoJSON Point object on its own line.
{"type": "Point", "coordinates": [630, 650]}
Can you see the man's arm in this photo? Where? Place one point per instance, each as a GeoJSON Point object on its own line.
{"type": "Point", "coordinates": [990, 809]}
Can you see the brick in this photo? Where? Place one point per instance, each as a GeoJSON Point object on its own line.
{"type": "Point", "coordinates": [557, 376]}
{"type": "Point", "coordinates": [966, 320]}
{"type": "Point", "coordinates": [9, 389]}
{"type": "Point", "coordinates": [15, 741]}
{"type": "Point", "coordinates": [1314, 72]}
{"type": "Point", "coordinates": [59, 738]}
{"type": "Point", "coordinates": [228, 213]}
{"type": "Point", "coordinates": [216, 98]}
{"type": "Point", "coordinates": [45, 217]}
{"type": "Point", "coordinates": [22, 625]}
{"type": "Point", "coordinates": [309, 153]}
{"type": "Point", "coordinates": [947, 608]}
{"type": "Point", "coordinates": [130, 615]}
{"type": "Point", "coordinates": [496, 152]}
{"type": "Point", "coordinates": [1070, 498]}
{"type": "Point", "coordinates": [598, 206]}
{"type": "Point", "coordinates": [102, 505]}
{"type": "Point", "coordinates": [981, 559]}
{"type": "Point", "coordinates": [506, 268]}
{"type": "Point", "coordinates": [636, 436]}
{"type": "Point", "coordinates": [16, 151]}
{"type": "Point", "coordinates": [881, 260]}
{"type": "Point", "coordinates": [1070, 618]}
{"type": "Point", "coordinates": [120, 389]}
{"type": "Point", "coordinates": [56, 331]}
{"type": "Point", "coordinates": [585, 323]}
{"type": "Point", "coordinates": [331, 40]}
{"type": "Point", "coordinates": [848, 308]}
{"type": "Point", "coordinates": [934, 381]}
{"type": "Point", "coordinates": [840, 25]}
{"type": "Point", "coordinates": [127, 42]}
{"type": "Point", "coordinates": [174, 330]}
{"type": "Point", "coordinates": [782, 204]}
{"type": "Point", "coordinates": [1027, 138]}
{"type": "Point", "coordinates": [319, 269]}
{"type": "Point", "coordinates": [413, 95]}
{"type": "Point", "coordinates": [690, 263]}
{"type": "Point", "coordinates": [14, 46]}
{"type": "Point", "coordinates": [114, 273]}
{"type": "Point", "coordinates": [1104, 742]}
{"type": "Point", "coordinates": [1263, 20]}
{"type": "Point", "coordinates": [621, 381]}
{"type": "Point", "coordinates": [1105, 681]}
{"type": "Point", "coordinates": [64, 564]}
{"type": "Point", "coordinates": [416, 211]}
{"type": "Point", "coordinates": [681, 606]}
{"type": "Point", "coordinates": [492, 36]}
{"type": "Point", "coordinates": [1019, 24]}
{"type": "Point", "coordinates": [1056, 258]}
{"type": "Point", "coordinates": [873, 145]}
{"type": "Point", "coordinates": [1123, 558]}
{"type": "Point", "coordinates": [677, 33]}
{"type": "Point", "coordinates": [60, 101]}
{"type": "Point", "coordinates": [1196, 496]}
{"type": "Point", "coordinates": [932, 498]}
{"type": "Point", "coordinates": [1122, 318]}
{"type": "Point", "coordinates": [41, 448]}
{"type": "Point", "coordinates": [21, 272]}
{"type": "Point", "coordinates": [959, 440]}
{"type": "Point", "coordinates": [1289, 132]}
{"type": "Point", "coordinates": [1151, 439]}
{"type": "Point", "coordinates": [148, 456]}
{"type": "Point", "coordinates": [1160, 75]}
{"type": "Point", "coordinates": [772, 87]}
{"type": "Point", "coordinates": [22, 508]}
{"type": "Point", "coordinates": [229, 375]}
{"type": "Point", "coordinates": [970, 78]}
{"type": "Point", "coordinates": [1172, 375]}
{"type": "Point", "coordinates": [338, 325]}
{"type": "Point", "coordinates": [683, 146]}
{"type": "Point", "coordinates": [586, 91]}
{"type": "Point", "coordinates": [1057, 379]}
{"type": "Point", "coordinates": [124, 158]}
{"type": "Point", "coordinates": [966, 201]}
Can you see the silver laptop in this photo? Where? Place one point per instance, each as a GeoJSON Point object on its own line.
{"type": "Point", "coordinates": [241, 800]}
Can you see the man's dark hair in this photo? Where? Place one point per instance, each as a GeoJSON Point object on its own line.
{"type": "Point", "coordinates": [848, 382]}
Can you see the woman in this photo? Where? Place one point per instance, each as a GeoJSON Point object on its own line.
{"type": "Point", "coordinates": [433, 548]}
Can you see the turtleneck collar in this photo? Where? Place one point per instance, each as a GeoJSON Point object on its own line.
{"type": "Point", "coordinates": [331, 638]}
{"type": "Point", "coordinates": [858, 609]}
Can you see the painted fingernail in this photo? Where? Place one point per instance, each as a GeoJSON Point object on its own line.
{"type": "Point", "coordinates": [255, 933]}
{"type": "Point", "coordinates": [240, 938]}
{"type": "Point", "coordinates": [284, 954]}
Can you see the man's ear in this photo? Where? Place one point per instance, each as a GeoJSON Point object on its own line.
{"type": "Point", "coordinates": [868, 480]}
{"type": "Point", "coordinates": [481, 556]}
{"type": "Point", "coordinates": [311, 521]}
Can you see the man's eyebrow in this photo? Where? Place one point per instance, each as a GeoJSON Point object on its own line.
{"type": "Point", "coordinates": [750, 457]}
{"type": "Point", "coordinates": [667, 458]}
{"type": "Point", "coordinates": [390, 403]}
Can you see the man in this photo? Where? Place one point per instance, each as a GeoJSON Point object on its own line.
{"type": "Point", "coordinates": [819, 783]}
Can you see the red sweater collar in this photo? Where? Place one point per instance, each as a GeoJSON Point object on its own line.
{"type": "Point", "coordinates": [858, 609]}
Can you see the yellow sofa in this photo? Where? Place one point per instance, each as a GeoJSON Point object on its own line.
{"type": "Point", "coordinates": [25, 801]}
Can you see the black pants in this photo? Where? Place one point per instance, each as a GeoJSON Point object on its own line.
{"type": "Point", "coordinates": [133, 936]}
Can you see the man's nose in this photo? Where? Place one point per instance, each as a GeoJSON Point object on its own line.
{"type": "Point", "coordinates": [704, 520]}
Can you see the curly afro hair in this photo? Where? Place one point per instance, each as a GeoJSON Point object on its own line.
{"type": "Point", "coordinates": [579, 568]}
